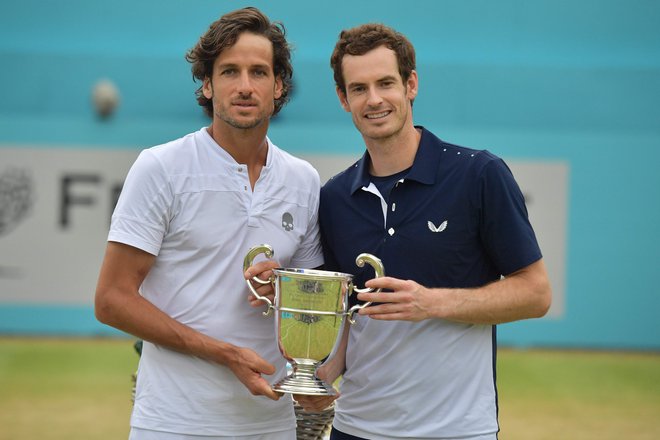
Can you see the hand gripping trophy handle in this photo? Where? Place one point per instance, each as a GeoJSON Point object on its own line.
{"type": "Point", "coordinates": [380, 272]}
{"type": "Point", "coordinates": [247, 262]}
{"type": "Point", "coordinates": [268, 251]}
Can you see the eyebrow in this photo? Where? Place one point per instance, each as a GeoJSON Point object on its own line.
{"type": "Point", "coordinates": [384, 78]}
{"type": "Point", "coordinates": [252, 66]}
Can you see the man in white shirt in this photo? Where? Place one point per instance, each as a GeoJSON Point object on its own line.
{"type": "Point", "coordinates": [189, 211]}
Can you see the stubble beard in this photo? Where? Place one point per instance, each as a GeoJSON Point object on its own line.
{"type": "Point", "coordinates": [244, 125]}
{"type": "Point", "coordinates": [223, 115]}
{"type": "Point", "coordinates": [383, 133]}
{"type": "Point", "coordinates": [380, 133]}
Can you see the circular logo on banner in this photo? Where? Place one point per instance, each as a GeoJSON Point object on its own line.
{"type": "Point", "coordinates": [16, 198]}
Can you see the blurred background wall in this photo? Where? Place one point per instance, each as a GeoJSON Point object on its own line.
{"type": "Point", "coordinates": [567, 92]}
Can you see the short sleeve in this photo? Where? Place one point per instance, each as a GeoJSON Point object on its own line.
{"type": "Point", "coordinates": [505, 229]}
{"type": "Point", "coordinates": [143, 211]}
{"type": "Point", "coordinates": [309, 254]}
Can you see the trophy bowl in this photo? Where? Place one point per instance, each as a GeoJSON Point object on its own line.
{"type": "Point", "coordinates": [311, 309]}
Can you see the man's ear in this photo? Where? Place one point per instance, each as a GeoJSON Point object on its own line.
{"type": "Point", "coordinates": [342, 99]}
{"type": "Point", "coordinates": [207, 88]}
{"type": "Point", "coordinates": [412, 85]}
{"type": "Point", "coordinates": [279, 87]}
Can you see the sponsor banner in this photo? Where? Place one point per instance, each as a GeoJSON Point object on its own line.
{"type": "Point", "coordinates": [55, 209]}
{"type": "Point", "coordinates": [56, 204]}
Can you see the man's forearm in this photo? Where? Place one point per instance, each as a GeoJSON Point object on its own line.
{"type": "Point", "coordinates": [522, 295]}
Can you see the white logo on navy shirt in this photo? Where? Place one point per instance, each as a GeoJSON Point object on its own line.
{"type": "Point", "coordinates": [435, 228]}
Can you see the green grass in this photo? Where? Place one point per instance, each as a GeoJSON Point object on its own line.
{"type": "Point", "coordinates": [578, 395]}
{"type": "Point", "coordinates": [80, 389]}
{"type": "Point", "coordinates": [65, 389]}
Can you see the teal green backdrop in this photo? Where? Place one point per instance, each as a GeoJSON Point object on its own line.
{"type": "Point", "coordinates": [570, 81]}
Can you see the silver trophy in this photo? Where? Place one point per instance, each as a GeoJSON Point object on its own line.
{"type": "Point", "coordinates": [311, 307]}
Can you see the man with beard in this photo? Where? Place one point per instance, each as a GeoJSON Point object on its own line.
{"type": "Point", "coordinates": [189, 211]}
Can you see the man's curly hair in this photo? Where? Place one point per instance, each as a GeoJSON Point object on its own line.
{"type": "Point", "coordinates": [364, 38]}
{"type": "Point", "coordinates": [224, 33]}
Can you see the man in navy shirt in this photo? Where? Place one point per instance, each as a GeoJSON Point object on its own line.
{"type": "Point", "coordinates": [451, 227]}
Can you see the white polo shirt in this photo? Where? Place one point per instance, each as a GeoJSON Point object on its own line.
{"type": "Point", "coordinates": [190, 203]}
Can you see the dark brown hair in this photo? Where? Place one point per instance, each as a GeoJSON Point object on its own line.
{"type": "Point", "coordinates": [364, 38]}
{"type": "Point", "coordinates": [224, 33]}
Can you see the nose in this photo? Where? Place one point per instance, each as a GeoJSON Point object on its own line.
{"type": "Point", "coordinates": [373, 98]}
{"type": "Point", "coordinates": [245, 83]}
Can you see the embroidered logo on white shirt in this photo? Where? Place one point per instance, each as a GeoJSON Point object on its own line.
{"type": "Point", "coordinates": [435, 228]}
{"type": "Point", "coordinates": [287, 221]}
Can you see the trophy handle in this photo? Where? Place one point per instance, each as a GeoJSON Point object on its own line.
{"type": "Point", "coordinates": [380, 272]}
{"type": "Point", "coordinates": [247, 262]}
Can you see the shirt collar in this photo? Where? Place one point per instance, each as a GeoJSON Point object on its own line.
{"type": "Point", "coordinates": [424, 169]}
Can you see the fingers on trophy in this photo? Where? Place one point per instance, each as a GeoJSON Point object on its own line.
{"type": "Point", "coordinates": [311, 309]}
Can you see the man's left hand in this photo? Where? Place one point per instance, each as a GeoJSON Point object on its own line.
{"type": "Point", "coordinates": [403, 300]}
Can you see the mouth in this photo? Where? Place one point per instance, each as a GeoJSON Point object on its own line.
{"type": "Point", "coordinates": [378, 115]}
{"type": "Point", "coordinates": [244, 104]}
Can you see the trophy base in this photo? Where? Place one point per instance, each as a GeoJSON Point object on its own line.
{"type": "Point", "coordinates": [307, 386]}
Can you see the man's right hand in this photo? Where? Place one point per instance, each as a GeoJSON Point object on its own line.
{"type": "Point", "coordinates": [264, 271]}
{"type": "Point", "coordinates": [248, 367]}
{"type": "Point", "coordinates": [314, 403]}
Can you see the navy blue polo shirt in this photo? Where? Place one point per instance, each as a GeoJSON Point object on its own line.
{"type": "Point", "coordinates": [456, 219]}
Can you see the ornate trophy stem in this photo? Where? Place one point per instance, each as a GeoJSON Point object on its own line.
{"type": "Point", "coordinates": [303, 380]}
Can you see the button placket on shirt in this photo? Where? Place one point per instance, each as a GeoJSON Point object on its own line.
{"type": "Point", "coordinates": [392, 208]}
{"type": "Point", "coordinates": [251, 197]}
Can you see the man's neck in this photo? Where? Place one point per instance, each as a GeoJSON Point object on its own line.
{"type": "Point", "coordinates": [246, 146]}
{"type": "Point", "coordinates": [394, 154]}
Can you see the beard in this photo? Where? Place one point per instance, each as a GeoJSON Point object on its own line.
{"type": "Point", "coordinates": [244, 125]}
{"type": "Point", "coordinates": [235, 120]}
